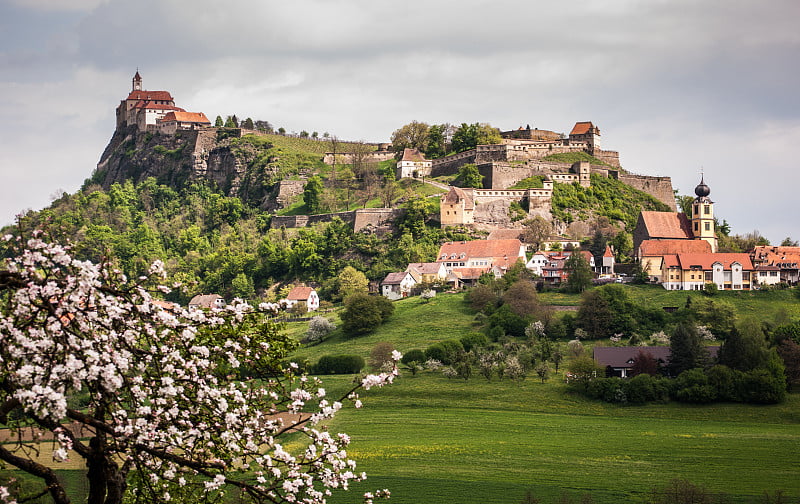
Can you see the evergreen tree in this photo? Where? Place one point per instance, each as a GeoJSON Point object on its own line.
{"type": "Point", "coordinates": [248, 124]}
{"type": "Point", "coordinates": [686, 349]}
{"type": "Point", "coordinates": [218, 123]}
{"type": "Point", "coordinates": [745, 348]}
{"type": "Point", "coordinates": [229, 123]}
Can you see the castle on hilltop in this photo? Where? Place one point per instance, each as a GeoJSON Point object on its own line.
{"type": "Point", "coordinates": [155, 111]}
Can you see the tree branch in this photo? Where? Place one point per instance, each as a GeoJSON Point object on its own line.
{"type": "Point", "coordinates": [48, 475]}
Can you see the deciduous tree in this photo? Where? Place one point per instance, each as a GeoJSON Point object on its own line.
{"type": "Point", "coordinates": [167, 414]}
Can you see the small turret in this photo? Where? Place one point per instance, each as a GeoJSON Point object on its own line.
{"type": "Point", "coordinates": [137, 81]}
{"type": "Point", "coordinates": [702, 190]}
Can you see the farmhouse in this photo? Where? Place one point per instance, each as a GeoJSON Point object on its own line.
{"type": "Point", "coordinates": [501, 254]}
{"type": "Point", "coordinates": [619, 361]}
{"type": "Point", "coordinates": [207, 301]}
{"type": "Point", "coordinates": [397, 285]}
{"type": "Point", "coordinates": [305, 295]}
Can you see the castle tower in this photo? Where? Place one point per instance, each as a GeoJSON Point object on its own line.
{"type": "Point", "coordinates": [137, 82]}
{"type": "Point", "coordinates": [703, 215]}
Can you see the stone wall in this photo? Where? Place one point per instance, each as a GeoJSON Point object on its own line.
{"type": "Point", "coordinates": [606, 156]}
{"type": "Point", "coordinates": [361, 219]}
{"type": "Point", "coordinates": [658, 187]}
{"type": "Point", "coordinates": [347, 157]}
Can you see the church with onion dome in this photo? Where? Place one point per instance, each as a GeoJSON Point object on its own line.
{"type": "Point", "coordinates": [679, 251]}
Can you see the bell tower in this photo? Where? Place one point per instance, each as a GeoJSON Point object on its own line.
{"type": "Point", "coordinates": [703, 215]}
{"type": "Point", "coordinates": [136, 82]}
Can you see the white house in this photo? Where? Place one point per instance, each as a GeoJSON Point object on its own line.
{"type": "Point", "coordinates": [397, 285]}
{"type": "Point", "coordinates": [207, 301]}
{"type": "Point", "coordinates": [413, 165]}
{"type": "Point", "coordinates": [305, 294]}
{"type": "Point", "coordinates": [537, 262]}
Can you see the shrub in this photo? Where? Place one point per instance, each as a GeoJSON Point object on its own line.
{"type": "Point", "coordinates": [445, 352]}
{"type": "Point", "coordinates": [415, 355]}
{"type": "Point", "coordinates": [761, 386]}
{"type": "Point", "coordinates": [692, 386]}
{"type": "Point", "coordinates": [381, 355]}
{"type": "Point", "coordinates": [474, 340]}
{"type": "Point", "coordinates": [605, 389]}
{"type": "Point", "coordinates": [364, 313]}
{"type": "Point", "coordinates": [724, 380]}
{"type": "Point", "coordinates": [339, 364]}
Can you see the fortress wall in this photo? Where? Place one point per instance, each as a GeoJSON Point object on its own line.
{"type": "Point", "coordinates": [359, 219]}
{"type": "Point", "coordinates": [347, 157]}
{"type": "Point", "coordinates": [610, 157]}
{"type": "Point", "coordinates": [658, 187]}
{"type": "Point", "coordinates": [375, 217]}
{"type": "Point", "coordinates": [449, 165]}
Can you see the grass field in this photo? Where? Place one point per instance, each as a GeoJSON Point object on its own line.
{"type": "Point", "coordinates": [434, 440]}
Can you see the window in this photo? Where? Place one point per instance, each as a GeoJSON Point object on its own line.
{"type": "Point", "coordinates": [696, 228]}
{"type": "Point", "coordinates": [708, 226]}
{"type": "Point", "coordinates": [706, 209]}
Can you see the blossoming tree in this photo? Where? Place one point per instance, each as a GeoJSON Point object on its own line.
{"type": "Point", "coordinates": [166, 411]}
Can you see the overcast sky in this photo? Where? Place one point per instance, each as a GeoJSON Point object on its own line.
{"type": "Point", "coordinates": [675, 86]}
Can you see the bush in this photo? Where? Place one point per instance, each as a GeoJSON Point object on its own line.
{"type": "Point", "coordinates": [692, 386]}
{"type": "Point", "coordinates": [445, 352]}
{"type": "Point", "coordinates": [605, 389]}
{"type": "Point", "coordinates": [645, 388]}
{"type": "Point", "coordinates": [724, 380]}
{"type": "Point", "coordinates": [762, 387]}
{"type": "Point", "coordinates": [339, 364]}
{"type": "Point", "coordinates": [474, 340]}
{"type": "Point", "coordinates": [364, 313]}
{"type": "Point", "coordinates": [415, 355]}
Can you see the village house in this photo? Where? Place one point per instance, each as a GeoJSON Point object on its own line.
{"type": "Point", "coordinates": [786, 259]}
{"type": "Point", "coordinates": [650, 253]}
{"type": "Point", "coordinates": [427, 273]}
{"type": "Point", "coordinates": [766, 275]}
{"type": "Point", "coordinates": [413, 165]}
{"type": "Point", "coordinates": [207, 301]}
{"type": "Point", "coordinates": [305, 295]}
{"type": "Point", "coordinates": [554, 272]}
{"type": "Point", "coordinates": [728, 271]}
{"type": "Point", "coordinates": [618, 361]}
{"type": "Point", "coordinates": [466, 261]}
{"type": "Point", "coordinates": [397, 285]}
{"type": "Point", "coordinates": [457, 208]}
{"type": "Point", "coordinates": [605, 266]}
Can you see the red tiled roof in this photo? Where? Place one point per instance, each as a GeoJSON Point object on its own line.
{"type": "Point", "coordinates": [496, 249]}
{"type": "Point", "coordinates": [671, 261]}
{"type": "Point", "coordinates": [666, 225]}
{"type": "Point", "coordinates": [706, 261]}
{"type": "Point", "coordinates": [300, 293]}
{"type": "Point", "coordinates": [776, 255]}
{"type": "Point", "coordinates": [506, 234]}
{"type": "Point", "coordinates": [608, 252]}
{"type": "Point", "coordinates": [187, 117]}
{"type": "Point", "coordinates": [662, 247]}
{"type": "Point", "coordinates": [470, 273]}
{"type": "Point", "coordinates": [581, 128]}
{"type": "Point", "coordinates": [150, 95]}
{"type": "Point", "coordinates": [413, 155]}
{"type": "Point", "coordinates": [429, 268]}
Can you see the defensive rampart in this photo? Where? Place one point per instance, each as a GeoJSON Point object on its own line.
{"type": "Point", "coordinates": [658, 187]}
{"type": "Point", "coordinates": [361, 219]}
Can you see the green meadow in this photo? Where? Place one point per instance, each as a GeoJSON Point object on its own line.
{"type": "Point", "coordinates": [433, 440]}
{"type": "Point", "coordinates": [436, 440]}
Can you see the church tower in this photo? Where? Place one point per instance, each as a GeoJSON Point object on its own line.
{"type": "Point", "coordinates": [703, 215]}
{"type": "Point", "coordinates": [137, 82]}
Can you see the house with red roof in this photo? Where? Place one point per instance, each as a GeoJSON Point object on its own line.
{"type": "Point", "coordinates": [651, 253]}
{"type": "Point", "coordinates": [728, 271]}
{"type": "Point", "coordinates": [428, 272]}
{"type": "Point", "coordinates": [786, 259]}
{"type": "Point", "coordinates": [413, 165]}
{"type": "Point", "coordinates": [457, 207]}
{"type": "Point", "coordinates": [305, 295]}
{"type": "Point", "coordinates": [181, 120]}
{"type": "Point", "coordinates": [466, 261]}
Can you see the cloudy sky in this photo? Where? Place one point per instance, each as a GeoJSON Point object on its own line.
{"type": "Point", "coordinates": [675, 86]}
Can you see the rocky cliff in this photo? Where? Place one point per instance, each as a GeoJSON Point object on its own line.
{"type": "Point", "coordinates": [220, 156]}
